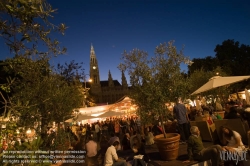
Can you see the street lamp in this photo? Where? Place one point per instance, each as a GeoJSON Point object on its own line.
{"type": "Point", "coordinates": [85, 89]}
{"type": "Point", "coordinates": [84, 78]}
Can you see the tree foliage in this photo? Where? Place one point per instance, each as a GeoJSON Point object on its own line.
{"type": "Point", "coordinates": [234, 59]}
{"type": "Point", "coordinates": [37, 93]}
{"type": "Point", "coordinates": [154, 80]}
{"type": "Point", "coordinates": [207, 64]}
{"type": "Point", "coordinates": [231, 56]}
{"type": "Point", "coordinates": [25, 24]}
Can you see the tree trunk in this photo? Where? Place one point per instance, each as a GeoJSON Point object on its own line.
{"type": "Point", "coordinates": [163, 128]}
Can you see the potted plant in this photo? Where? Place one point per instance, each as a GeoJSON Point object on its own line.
{"type": "Point", "coordinates": [154, 81]}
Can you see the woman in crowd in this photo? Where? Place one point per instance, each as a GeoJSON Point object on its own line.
{"type": "Point", "coordinates": [104, 144]}
{"type": "Point", "coordinates": [117, 128]}
{"type": "Point", "coordinates": [231, 139]}
{"type": "Point", "coordinates": [139, 149]}
{"type": "Point", "coordinates": [126, 142]}
{"type": "Point", "coordinates": [149, 137]}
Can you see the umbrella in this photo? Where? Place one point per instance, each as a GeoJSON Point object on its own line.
{"type": "Point", "coordinates": [110, 113]}
{"type": "Point", "coordinates": [218, 81]}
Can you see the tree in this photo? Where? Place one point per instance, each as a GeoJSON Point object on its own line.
{"type": "Point", "coordinates": [32, 89]}
{"type": "Point", "coordinates": [24, 25]}
{"type": "Point", "coordinates": [156, 80]}
{"type": "Point", "coordinates": [207, 64]}
{"type": "Point", "coordinates": [234, 59]}
{"type": "Point", "coordinates": [38, 93]}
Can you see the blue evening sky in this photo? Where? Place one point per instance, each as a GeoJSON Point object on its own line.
{"type": "Point", "coordinates": [113, 26]}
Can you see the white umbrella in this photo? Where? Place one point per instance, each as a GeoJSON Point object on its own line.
{"type": "Point", "coordinates": [218, 81]}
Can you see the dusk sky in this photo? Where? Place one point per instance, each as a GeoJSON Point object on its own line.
{"type": "Point", "coordinates": [113, 26]}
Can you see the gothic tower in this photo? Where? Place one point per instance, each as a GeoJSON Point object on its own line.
{"type": "Point", "coordinates": [94, 69]}
{"type": "Point", "coordinates": [95, 76]}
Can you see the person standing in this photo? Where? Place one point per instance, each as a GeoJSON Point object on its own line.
{"type": "Point", "coordinates": [97, 131]}
{"type": "Point", "coordinates": [117, 128]}
{"type": "Point", "coordinates": [180, 113]}
{"type": "Point", "coordinates": [126, 142]}
{"type": "Point", "coordinates": [138, 124]}
{"type": "Point", "coordinates": [83, 134]}
{"type": "Point", "coordinates": [91, 148]}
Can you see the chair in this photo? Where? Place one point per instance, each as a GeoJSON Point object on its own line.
{"type": "Point", "coordinates": [207, 132]}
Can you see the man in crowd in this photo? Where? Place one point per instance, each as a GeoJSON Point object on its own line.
{"type": "Point", "coordinates": [83, 134]}
{"type": "Point", "coordinates": [91, 148]}
{"type": "Point", "coordinates": [111, 157]}
{"type": "Point", "coordinates": [114, 138]}
{"type": "Point", "coordinates": [97, 131]}
{"type": "Point", "coordinates": [180, 113]}
{"type": "Point", "coordinates": [196, 150]}
{"type": "Point", "coordinates": [135, 135]}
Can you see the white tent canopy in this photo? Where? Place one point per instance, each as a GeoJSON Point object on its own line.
{"type": "Point", "coordinates": [83, 117]}
{"type": "Point", "coordinates": [122, 107]}
{"type": "Point", "coordinates": [80, 117]}
{"type": "Point", "coordinates": [94, 110]}
{"type": "Point", "coordinates": [110, 113]}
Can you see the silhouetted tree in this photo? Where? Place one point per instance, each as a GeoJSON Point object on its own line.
{"type": "Point", "coordinates": [233, 57]}
{"type": "Point", "coordinates": [208, 63]}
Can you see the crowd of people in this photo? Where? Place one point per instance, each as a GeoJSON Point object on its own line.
{"type": "Point", "coordinates": [105, 140]}
{"type": "Point", "coordinates": [116, 141]}
{"type": "Point", "coordinates": [230, 140]}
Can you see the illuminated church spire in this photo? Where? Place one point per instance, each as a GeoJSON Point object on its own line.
{"type": "Point", "coordinates": [94, 70]}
